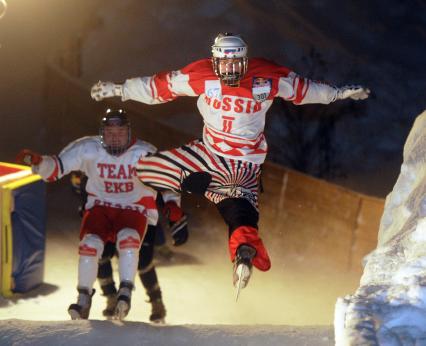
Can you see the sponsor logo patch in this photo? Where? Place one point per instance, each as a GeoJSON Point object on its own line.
{"type": "Point", "coordinates": [261, 88]}
{"type": "Point", "coordinates": [86, 250]}
{"type": "Point", "coordinates": [129, 243]}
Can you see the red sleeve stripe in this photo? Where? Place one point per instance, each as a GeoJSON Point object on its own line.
{"type": "Point", "coordinates": [306, 89]}
{"type": "Point", "coordinates": [54, 175]}
{"type": "Point", "coordinates": [163, 87]}
{"type": "Point", "coordinates": [153, 89]}
{"type": "Point", "coordinates": [299, 94]}
{"type": "Point", "coordinates": [169, 83]}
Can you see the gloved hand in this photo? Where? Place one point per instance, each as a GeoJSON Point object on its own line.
{"type": "Point", "coordinates": [355, 92]}
{"type": "Point", "coordinates": [178, 223]}
{"type": "Point", "coordinates": [103, 90]}
{"type": "Point", "coordinates": [28, 157]}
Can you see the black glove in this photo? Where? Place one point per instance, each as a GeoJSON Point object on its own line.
{"type": "Point", "coordinates": [179, 231]}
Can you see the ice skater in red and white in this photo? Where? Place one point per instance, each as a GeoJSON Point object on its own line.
{"type": "Point", "coordinates": [118, 208]}
{"type": "Point", "coordinates": [234, 93]}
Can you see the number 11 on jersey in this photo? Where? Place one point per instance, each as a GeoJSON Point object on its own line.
{"type": "Point", "coordinates": [227, 123]}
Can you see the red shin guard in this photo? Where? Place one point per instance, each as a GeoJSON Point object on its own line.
{"type": "Point", "coordinates": [249, 235]}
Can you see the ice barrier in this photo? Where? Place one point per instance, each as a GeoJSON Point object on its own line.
{"type": "Point", "coordinates": [389, 307]}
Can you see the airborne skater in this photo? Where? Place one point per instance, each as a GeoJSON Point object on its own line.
{"type": "Point", "coordinates": [118, 208]}
{"type": "Point", "coordinates": [234, 94]}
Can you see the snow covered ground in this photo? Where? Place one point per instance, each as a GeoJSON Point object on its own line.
{"type": "Point", "coordinates": [278, 307]}
{"type": "Point", "coordinates": [15, 332]}
{"type": "Point", "coordinates": [389, 307]}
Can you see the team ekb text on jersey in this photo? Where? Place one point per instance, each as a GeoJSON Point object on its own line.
{"type": "Point", "coordinates": [234, 117]}
{"type": "Point", "coordinates": [112, 180]}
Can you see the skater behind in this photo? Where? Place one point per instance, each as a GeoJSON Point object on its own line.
{"type": "Point", "coordinates": [146, 268]}
{"type": "Point", "coordinates": [234, 94]}
{"type": "Point", "coordinates": [118, 206]}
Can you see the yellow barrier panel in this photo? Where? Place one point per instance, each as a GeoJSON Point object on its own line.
{"type": "Point", "coordinates": [8, 182]}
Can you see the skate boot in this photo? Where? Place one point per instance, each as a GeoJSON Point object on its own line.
{"type": "Point", "coordinates": [81, 310]}
{"type": "Point", "coordinates": [124, 296]}
{"type": "Point", "coordinates": [110, 292]}
{"type": "Point", "coordinates": [243, 266]}
{"type": "Point", "coordinates": [158, 310]}
{"type": "Point", "coordinates": [109, 310]}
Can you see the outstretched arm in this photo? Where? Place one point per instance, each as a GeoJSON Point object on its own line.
{"type": "Point", "coordinates": [301, 90]}
{"type": "Point", "coordinates": [54, 167]}
{"type": "Point", "coordinates": [46, 166]}
{"type": "Point", "coordinates": [159, 88]}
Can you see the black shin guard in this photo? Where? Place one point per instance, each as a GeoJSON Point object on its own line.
{"type": "Point", "coordinates": [238, 212]}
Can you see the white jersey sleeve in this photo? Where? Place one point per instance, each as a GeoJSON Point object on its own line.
{"type": "Point", "coordinates": [167, 86]}
{"type": "Point", "coordinates": [301, 90]}
{"type": "Point", "coordinates": [71, 158]}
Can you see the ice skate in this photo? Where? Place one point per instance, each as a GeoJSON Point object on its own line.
{"type": "Point", "coordinates": [158, 311]}
{"type": "Point", "coordinates": [243, 267]}
{"type": "Point", "coordinates": [109, 310]}
{"type": "Point", "coordinates": [81, 310]}
{"type": "Point", "coordinates": [124, 296]}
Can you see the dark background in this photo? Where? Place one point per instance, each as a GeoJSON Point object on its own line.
{"type": "Point", "coordinates": [373, 43]}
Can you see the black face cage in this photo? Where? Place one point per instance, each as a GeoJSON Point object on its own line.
{"type": "Point", "coordinates": [115, 150]}
{"type": "Point", "coordinates": [231, 78]}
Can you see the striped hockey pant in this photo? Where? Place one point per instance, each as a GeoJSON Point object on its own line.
{"type": "Point", "coordinates": [232, 185]}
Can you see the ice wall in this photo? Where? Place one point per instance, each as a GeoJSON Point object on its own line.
{"type": "Point", "coordinates": [389, 307]}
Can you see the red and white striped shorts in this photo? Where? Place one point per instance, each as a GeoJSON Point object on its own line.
{"type": "Point", "coordinates": [166, 170]}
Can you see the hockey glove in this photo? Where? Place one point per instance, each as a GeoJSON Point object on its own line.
{"type": "Point", "coordinates": [178, 223]}
{"type": "Point", "coordinates": [355, 92]}
{"type": "Point", "coordinates": [102, 90]}
{"type": "Point", "coordinates": [28, 158]}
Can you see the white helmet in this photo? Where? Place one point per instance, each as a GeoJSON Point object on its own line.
{"type": "Point", "coordinates": [232, 51]}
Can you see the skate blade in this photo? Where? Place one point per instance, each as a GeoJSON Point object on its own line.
{"type": "Point", "coordinates": [243, 273]}
{"type": "Point", "coordinates": [121, 310]}
{"type": "Point", "coordinates": [242, 276]}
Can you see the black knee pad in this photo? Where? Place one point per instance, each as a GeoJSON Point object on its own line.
{"type": "Point", "coordinates": [196, 182]}
{"type": "Point", "coordinates": [238, 212]}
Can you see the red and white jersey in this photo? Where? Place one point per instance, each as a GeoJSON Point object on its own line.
{"type": "Point", "coordinates": [112, 180]}
{"type": "Point", "coordinates": [234, 117]}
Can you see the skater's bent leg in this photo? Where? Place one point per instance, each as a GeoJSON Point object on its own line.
{"type": "Point", "coordinates": [242, 218]}
{"type": "Point", "coordinates": [90, 250]}
{"type": "Point", "coordinates": [148, 276]}
{"type": "Point", "coordinates": [105, 277]}
{"type": "Point", "coordinates": [146, 268]}
{"type": "Point", "coordinates": [128, 244]}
